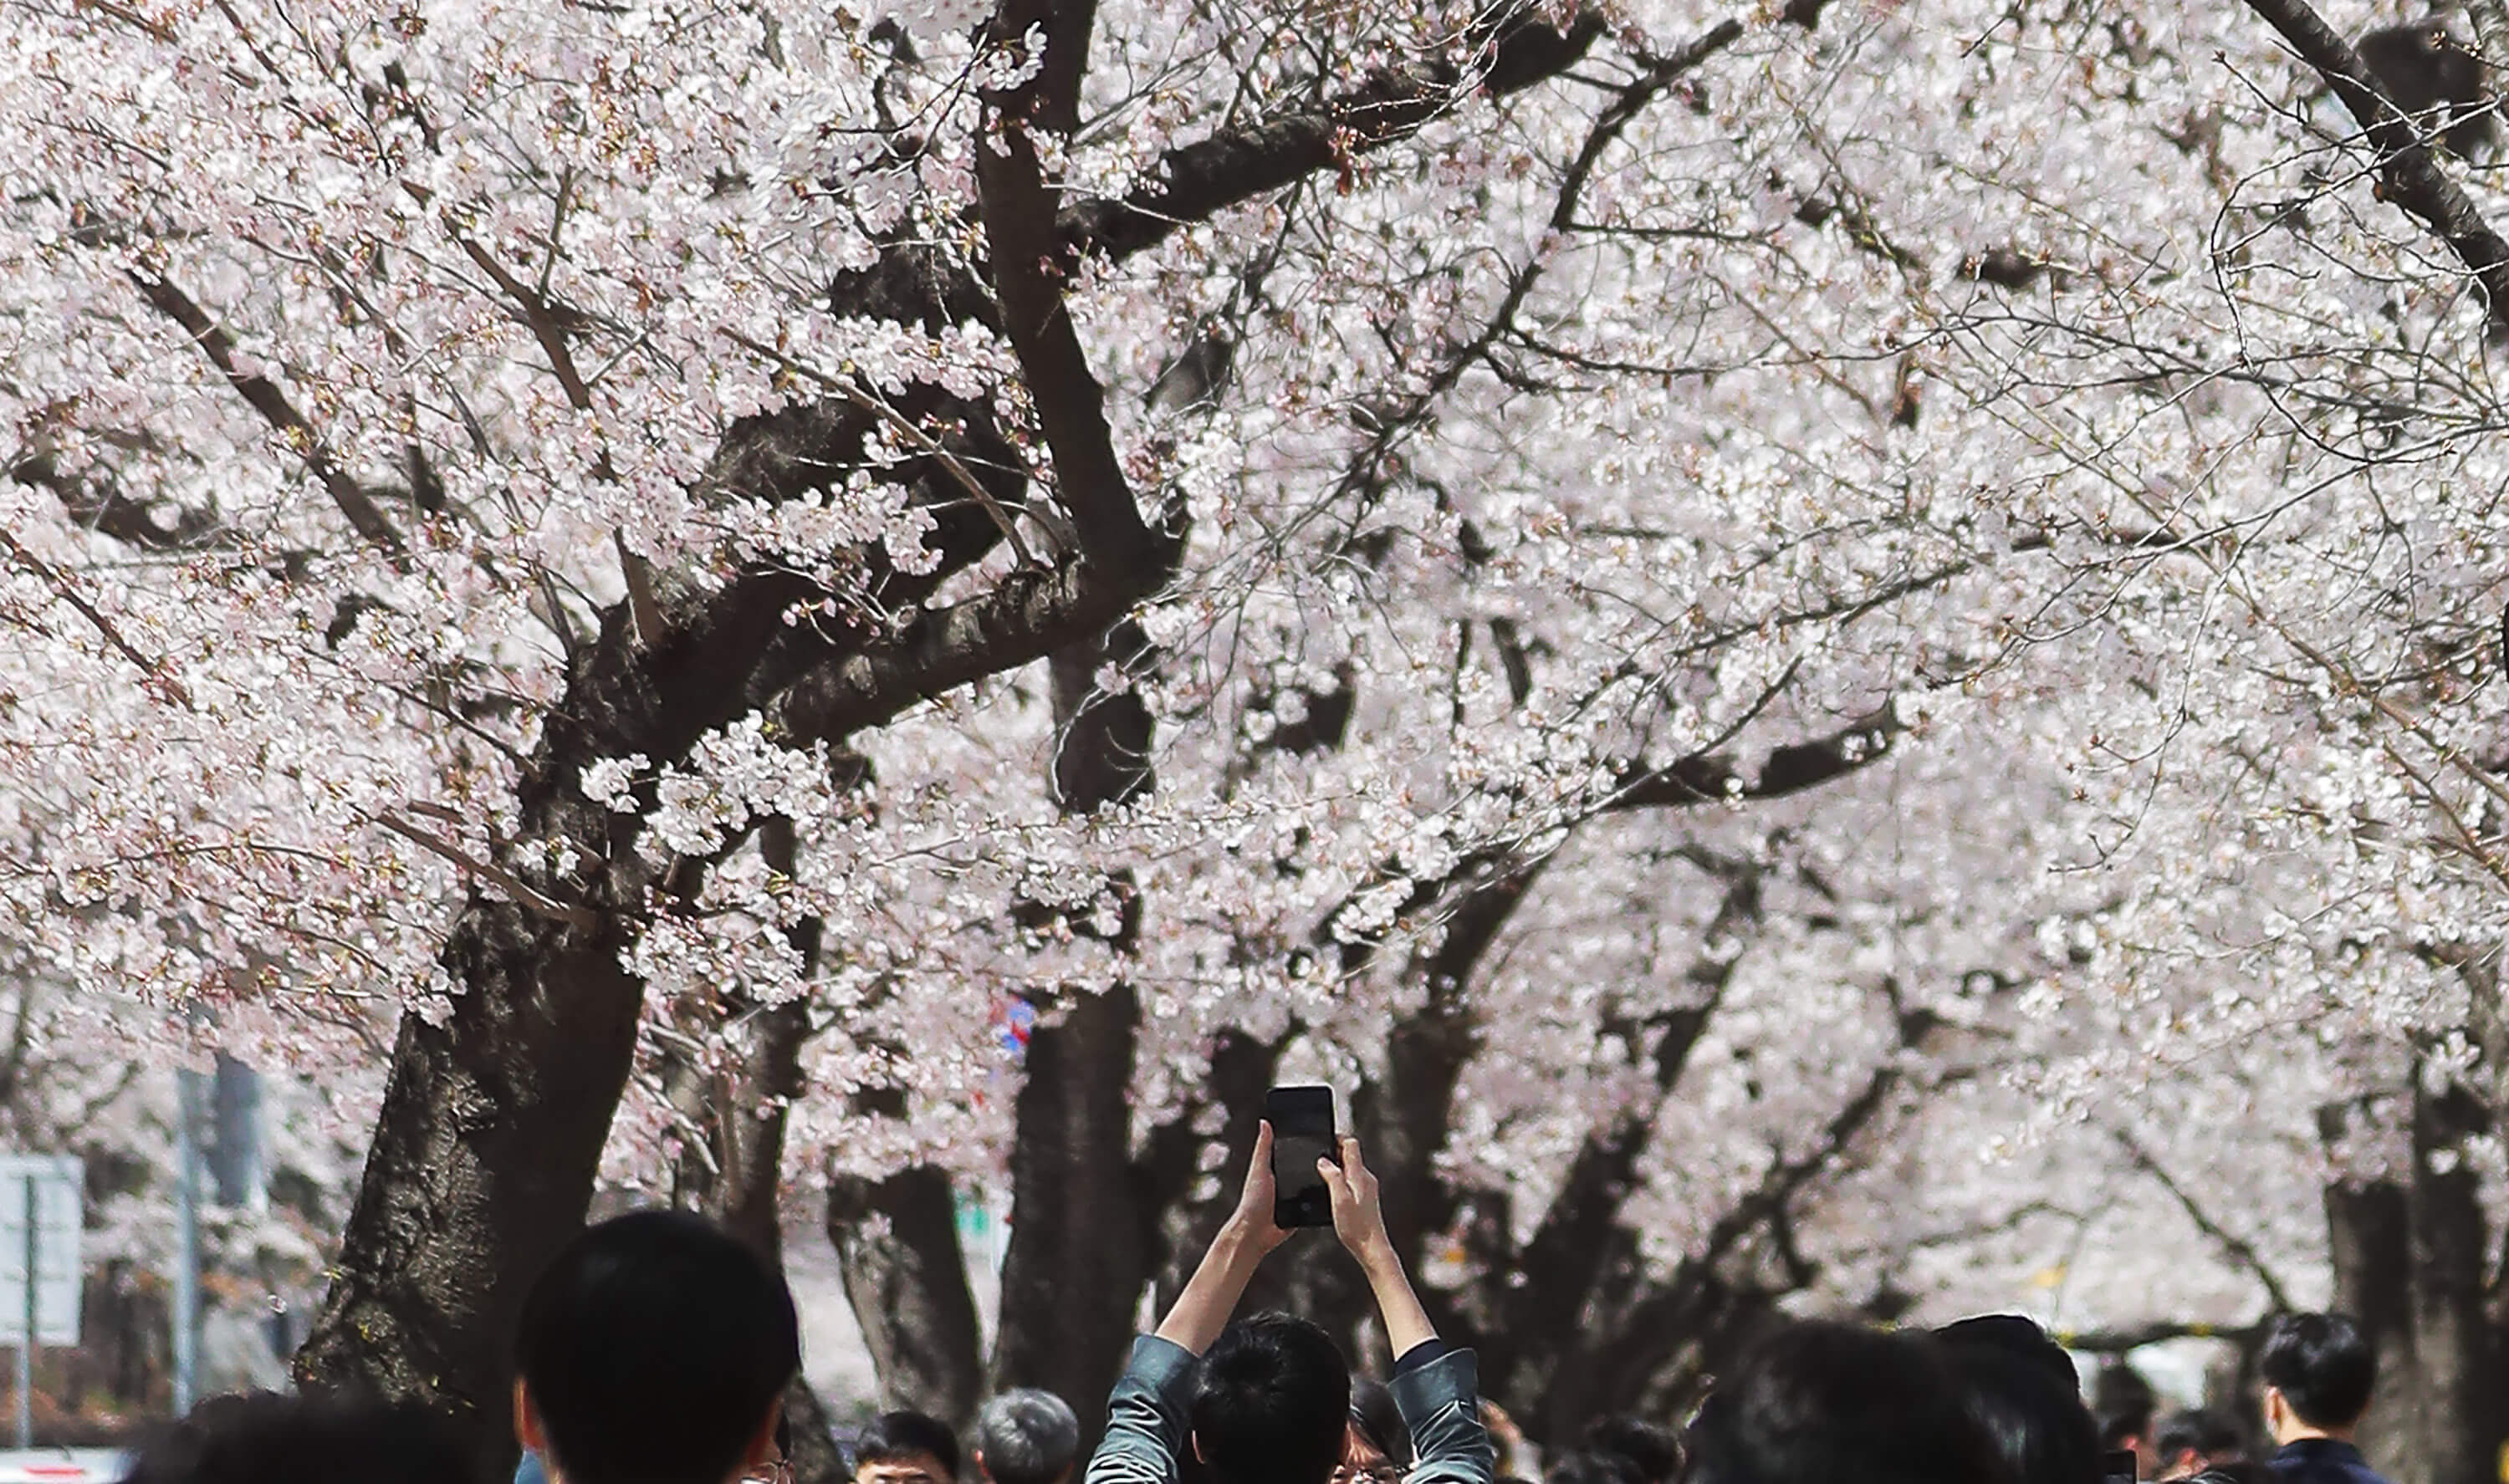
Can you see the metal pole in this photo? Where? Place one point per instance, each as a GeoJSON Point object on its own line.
{"type": "Point", "coordinates": [26, 1346]}
{"type": "Point", "coordinates": [187, 1262]}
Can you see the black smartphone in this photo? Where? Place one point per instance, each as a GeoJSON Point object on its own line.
{"type": "Point", "coordinates": [1303, 1132]}
{"type": "Point", "coordinates": [2118, 1466]}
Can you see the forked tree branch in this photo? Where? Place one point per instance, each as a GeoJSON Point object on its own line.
{"type": "Point", "coordinates": [2408, 174]}
{"type": "Point", "coordinates": [267, 400]}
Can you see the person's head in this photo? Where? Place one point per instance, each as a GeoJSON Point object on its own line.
{"type": "Point", "coordinates": [1818, 1402]}
{"type": "Point", "coordinates": [2124, 1403]}
{"type": "Point", "coordinates": [2318, 1369]}
{"type": "Point", "coordinates": [911, 1448]}
{"type": "Point", "coordinates": [267, 1438]}
{"type": "Point", "coordinates": [1653, 1452]}
{"type": "Point", "coordinates": [1375, 1447]}
{"type": "Point", "coordinates": [1590, 1465]}
{"type": "Point", "coordinates": [2022, 1389]}
{"type": "Point", "coordinates": [2190, 1443]}
{"type": "Point", "coordinates": [1271, 1404]}
{"type": "Point", "coordinates": [1026, 1436]}
{"type": "Point", "coordinates": [654, 1349]}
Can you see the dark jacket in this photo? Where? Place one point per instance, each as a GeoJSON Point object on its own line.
{"type": "Point", "coordinates": [1435, 1387]}
{"type": "Point", "coordinates": [2321, 1461]}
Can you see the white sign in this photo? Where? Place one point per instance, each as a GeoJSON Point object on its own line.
{"type": "Point", "coordinates": [58, 1184]}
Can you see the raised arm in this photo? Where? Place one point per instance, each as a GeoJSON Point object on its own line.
{"type": "Point", "coordinates": [1361, 1225]}
{"type": "Point", "coordinates": [1203, 1308]}
{"type": "Point", "coordinates": [1435, 1387]}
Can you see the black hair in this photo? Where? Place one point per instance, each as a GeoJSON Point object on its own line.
{"type": "Point", "coordinates": [2323, 1367]}
{"type": "Point", "coordinates": [1654, 1452]}
{"type": "Point", "coordinates": [263, 1438]}
{"type": "Point", "coordinates": [1818, 1402]}
{"type": "Point", "coordinates": [1026, 1436]}
{"type": "Point", "coordinates": [1592, 1466]}
{"type": "Point", "coordinates": [2209, 1434]}
{"type": "Point", "coordinates": [1271, 1403]}
{"type": "Point", "coordinates": [2021, 1387]}
{"type": "Point", "coordinates": [654, 1347]}
{"type": "Point", "coordinates": [1380, 1421]}
{"type": "Point", "coordinates": [2124, 1402]}
{"type": "Point", "coordinates": [893, 1438]}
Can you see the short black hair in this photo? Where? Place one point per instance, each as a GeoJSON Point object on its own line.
{"type": "Point", "coordinates": [1271, 1401]}
{"type": "Point", "coordinates": [1592, 1466]}
{"type": "Point", "coordinates": [2021, 1387]}
{"type": "Point", "coordinates": [1653, 1451]}
{"type": "Point", "coordinates": [1026, 1436]}
{"type": "Point", "coordinates": [1817, 1402]}
{"type": "Point", "coordinates": [2124, 1403]}
{"type": "Point", "coordinates": [1374, 1411]}
{"type": "Point", "coordinates": [2208, 1434]}
{"type": "Point", "coordinates": [2323, 1367]}
{"type": "Point", "coordinates": [655, 1346]}
{"type": "Point", "coordinates": [893, 1438]}
{"type": "Point", "coordinates": [263, 1438]}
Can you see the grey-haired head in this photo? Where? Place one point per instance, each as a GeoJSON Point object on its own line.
{"type": "Point", "coordinates": [1026, 1436]}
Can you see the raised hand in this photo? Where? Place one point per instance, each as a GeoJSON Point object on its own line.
{"type": "Point", "coordinates": [1255, 1213]}
{"type": "Point", "coordinates": [1357, 1218]}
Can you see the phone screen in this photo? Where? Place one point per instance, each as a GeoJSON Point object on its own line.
{"type": "Point", "coordinates": [2118, 1467]}
{"type": "Point", "coordinates": [1303, 1132]}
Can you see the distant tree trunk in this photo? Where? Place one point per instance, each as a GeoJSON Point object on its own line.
{"type": "Point", "coordinates": [2457, 1350]}
{"type": "Point", "coordinates": [2370, 1245]}
{"type": "Point", "coordinates": [1072, 1277]}
{"type": "Point", "coordinates": [1078, 1255]}
{"type": "Point", "coordinates": [906, 1277]}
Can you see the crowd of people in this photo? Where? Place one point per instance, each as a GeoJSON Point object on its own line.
{"type": "Point", "coordinates": [657, 1349]}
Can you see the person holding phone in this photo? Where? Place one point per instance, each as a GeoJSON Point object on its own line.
{"type": "Point", "coordinates": [1266, 1400]}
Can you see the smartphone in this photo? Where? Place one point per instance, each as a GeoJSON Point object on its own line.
{"type": "Point", "coordinates": [2118, 1466]}
{"type": "Point", "coordinates": [1303, 1132]}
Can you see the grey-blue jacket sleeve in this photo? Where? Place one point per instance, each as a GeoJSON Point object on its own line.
{"type": "Point", "coordinates": [1441, 1403]}
{"type": "Point", "coordinates": [1145, 1418]}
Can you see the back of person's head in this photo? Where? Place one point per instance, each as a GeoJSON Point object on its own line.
{"type": "Point", "coordinates": [1654, 1452]}
{"type": "Point", "coordinates": [1823, 1403]}
{"type": "Point", "coordinates": [2323, 1367]}
{"type": "Point", "coordinates": [654, 1350]}
{"type": "Point", "coordinates": [267, 1438]}
{"type": "Point", "coordinates": [2211, 1437]}
{"type": "Point", "coordinates": [2124, 1403]}
{"type": "Point", "coordinates": [1271, 1401]}
{"type": "Point", "coordinates": [1592, 1466]}
{"type": "Point", "coordinates": [911, 1438]}
{"type": "Point", "coordinates": [1378, 1422]}
{"type": "Point", "coordinates": [2023, 1389]}
{"type": "Point", "coordinates": [1026, 1436]}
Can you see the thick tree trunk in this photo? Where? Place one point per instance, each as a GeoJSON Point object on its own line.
{"type": "Point", "coordinates": [1072, 1280]}
{"type": "Point", "coordinates": [2456, 1349]}
{"type": "Point", "coordinates": [2370, 1245]}
{"type": "Point", "coordinates": [906, 1277]}
{"type": "Point", "coordinates": [1079, 1244]}
{"type": "Point", "coordinates": [481, 1167]}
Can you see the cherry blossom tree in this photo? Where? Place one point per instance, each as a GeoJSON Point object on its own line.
{"type": "Point", "coordinates": [1686, 598]}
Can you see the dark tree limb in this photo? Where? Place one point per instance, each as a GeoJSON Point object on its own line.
{"type": "Point", "coordinates": [356, 503]}
{"type": "Point", "coordinates": [2237, 1248]}
{"type": "Point", "coordinates": [2409, 172]}
{"type": "Point", "coordinates": [1195, 182]}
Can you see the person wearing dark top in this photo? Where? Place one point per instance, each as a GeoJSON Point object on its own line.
{"type": "Point", "coordinates": [1268, 1399]}
{"type": "Point", "coordinates": [1827, 1403]}
{"type": "Point", "coordinates": [2318, 1371]}
{"type": "Point", "coordinates": [267, 1438]}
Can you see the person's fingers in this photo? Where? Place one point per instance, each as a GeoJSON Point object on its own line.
{"type": "Point", "coordinates": [1261, 1165]}
{"type": "Point", "coordinates": [1334, 1180]}
{"type": "Point", "coordinates": [1350, 1158]}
